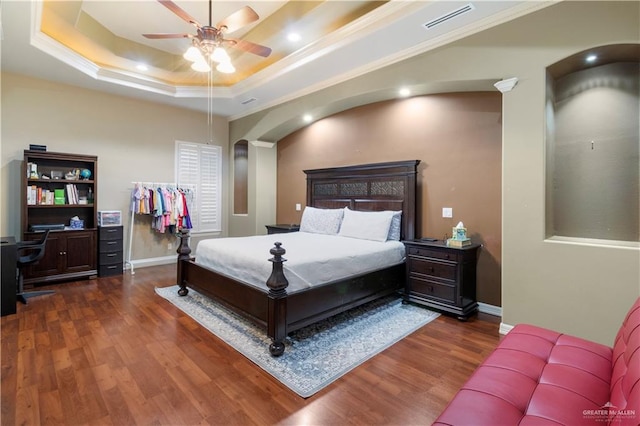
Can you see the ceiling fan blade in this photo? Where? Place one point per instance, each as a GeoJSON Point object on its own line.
{"type": "Point", "coordinates": [250, 47]}
{"type": "Point", "coordinates": [167, 35]}
{"type": "Point", "coordinates": [181, 13]}
{"type": "Point", "coordinates": [238, 19]}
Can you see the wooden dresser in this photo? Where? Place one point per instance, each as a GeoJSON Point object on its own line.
{"type": "Point", "coordinates": [442, 277]}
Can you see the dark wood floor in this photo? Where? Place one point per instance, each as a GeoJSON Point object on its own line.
{"type": "Point", "coordinates": [109, 351]}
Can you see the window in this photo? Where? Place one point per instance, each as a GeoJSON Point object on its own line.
{"type": "Point", "coordinates": [200, 165]}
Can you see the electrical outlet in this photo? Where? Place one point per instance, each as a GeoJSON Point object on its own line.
{"type": "Point", "coordinates": [447, 212]}
{"type": "Point", "coordinates": [298, 207]}
{"type": "Point", "coordinates": [169, 246]}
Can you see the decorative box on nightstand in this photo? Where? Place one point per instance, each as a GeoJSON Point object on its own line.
{"type": "Point", "coordinates": [282, 228]}
{"type": "Point", "coordinates": [442, 277]}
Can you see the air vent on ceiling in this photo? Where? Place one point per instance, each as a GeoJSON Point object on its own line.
{"type": "Point", "coordinates": [444, 18]}
{"type": "Point", "coordinates": [248, 101]}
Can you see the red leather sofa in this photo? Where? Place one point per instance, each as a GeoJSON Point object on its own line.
{"type": "Point", "coordinates": [540, 377]}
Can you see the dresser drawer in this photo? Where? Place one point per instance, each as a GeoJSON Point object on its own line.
{"type": "Point", "coordinates": [432, 253]}
{"type": "Point", "coordinates": [425, 288]}
{"type": "Point", "coordinates": [106, 246]}
{"type": "Point", "coordinates": [110, 258]}
{"type": "Point", "coordinates": [433, 268]}
{"type": "Point", "coordinates": [107, 270]}
{"type": "Point", "coordinates": [110, 233]}
{"type": "Point", "coordinates": [442, 277]}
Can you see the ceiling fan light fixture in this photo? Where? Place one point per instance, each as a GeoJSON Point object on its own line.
{"type": "Point", "coordinates": [206, 45]}
{"type": "Point", "coordinates": [200, 66]}
{"type": "Point", "coordinates": [193, 54]}
{"type": "Point", "coordinates": [226, 67]}
{"type": "Point", "coordinates": [220, 55]}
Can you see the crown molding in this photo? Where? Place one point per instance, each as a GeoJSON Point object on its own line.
{"type": "Point", "coordinates": [507, 15]}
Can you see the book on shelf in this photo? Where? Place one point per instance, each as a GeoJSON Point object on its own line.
{"type": "Point", "coordinates": [42, 196]}
{"type": "Point", "coordinates": [30, 200]}
{"type": "Point", "coordinates": [58, 196]}
{"type": "Point", "coordinates": [72, 194]}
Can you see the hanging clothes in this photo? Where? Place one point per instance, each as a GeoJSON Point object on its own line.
{"type": "Point", "coordinates": [168, 205]}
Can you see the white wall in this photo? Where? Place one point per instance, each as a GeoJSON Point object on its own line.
{"type": "Point", "coordinates": [134, 141]}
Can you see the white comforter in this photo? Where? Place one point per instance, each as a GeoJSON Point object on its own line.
{"type": "Point", "coordinates": [312, 259]}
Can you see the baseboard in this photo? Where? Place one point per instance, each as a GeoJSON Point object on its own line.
{"type": "Point", "coordinates": [490, 309]}
{"type": "Point", "coordinates": [505, 328]}
{"type": "Point", "coordinates": [152, 261]}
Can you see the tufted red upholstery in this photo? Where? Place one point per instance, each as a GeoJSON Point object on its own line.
{"type": "Point", "coordinates": [539, 377]}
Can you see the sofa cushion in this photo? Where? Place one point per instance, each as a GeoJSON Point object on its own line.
{"type": "Point", "coordinates": [625, 378]}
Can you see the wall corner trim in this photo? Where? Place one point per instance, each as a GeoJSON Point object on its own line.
{"type": "Point", "coordinates": [506, 85]}
{"type": "Point", "coordinates": [504, 328]}
{"type": "Point", "coordinates": [263, 144]}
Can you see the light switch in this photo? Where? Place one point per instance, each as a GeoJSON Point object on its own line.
{"type": "Point", "coordinates": [298, 207]}
{"type": "Point", "coordinates": [447, 212]}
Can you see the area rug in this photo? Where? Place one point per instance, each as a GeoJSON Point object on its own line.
{"type": "Point", "coordinates": [318, 354]}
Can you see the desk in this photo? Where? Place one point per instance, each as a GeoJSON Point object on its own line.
{"type": "Point", "coordinates": [9, 285]}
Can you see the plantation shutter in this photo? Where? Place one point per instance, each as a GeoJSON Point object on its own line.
{"type": "Point", "coordinates": [201, 166]}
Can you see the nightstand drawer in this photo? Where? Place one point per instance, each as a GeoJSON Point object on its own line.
{"type": "Point", "coordinates": [434, 290]}
{"type": "Point", "coordinates": [436, 254]}
{"type": "Point", "coordinates": [433, 268]}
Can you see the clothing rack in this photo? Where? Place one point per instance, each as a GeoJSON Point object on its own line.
{"type": "Point", "coordinates": [190, 187]}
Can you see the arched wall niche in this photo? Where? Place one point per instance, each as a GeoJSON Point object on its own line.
{"type": "Point", "coordinates": [241, 177]}
{"type": "Point", "coordinates": [593, 146]}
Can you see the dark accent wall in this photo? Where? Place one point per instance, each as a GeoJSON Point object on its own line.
{"type": "Point", "coordinates": [456, 136]}
{"type": "Point", "coordinates": [240, 177]}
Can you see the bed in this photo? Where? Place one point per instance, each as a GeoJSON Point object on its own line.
{"type": "Point", "coordinates": [282, 309]}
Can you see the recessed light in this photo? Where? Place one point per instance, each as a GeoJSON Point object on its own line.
{"type": "Point", "coordinates": [404, 92]}
{"type": "Point", "coordinates": [293, 37]}
{"type": "Point", "coordinates": [307, 118]}
{"type": "Point", "coordinates": [591, 58]}
{"type": "Point", "coordinates": [142, 67]}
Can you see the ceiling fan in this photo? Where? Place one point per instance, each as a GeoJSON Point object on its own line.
{"type": "Point", "coordinates": [210, 40]}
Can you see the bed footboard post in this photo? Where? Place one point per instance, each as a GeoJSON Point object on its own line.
{"type": "Point", "coordinates": [184, 252]}
{"type": "Point", "coordinates": [277, 300]}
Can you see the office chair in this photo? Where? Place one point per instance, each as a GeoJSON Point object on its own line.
{"type": "Point", "coordinates": [29, 252]}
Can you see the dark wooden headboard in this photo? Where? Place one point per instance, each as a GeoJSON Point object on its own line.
{"type": "Point", "coordinates": [367, 187]}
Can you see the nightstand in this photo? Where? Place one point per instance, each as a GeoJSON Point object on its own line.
{"type": "Point", "coordinates": [282, 228]}
{"type": "Point", "coordinates": [442, 277]}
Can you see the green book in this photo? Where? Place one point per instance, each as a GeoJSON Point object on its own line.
{"type": "Point", "coordinates": [58, 196]}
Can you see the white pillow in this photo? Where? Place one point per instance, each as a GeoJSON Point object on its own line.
{"type": "Point", "coordinates": [394, 229]}
{"type": "Point", "coordinates": [321, 221]}
{"type": "Point", "coordinates": [366, 225]}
